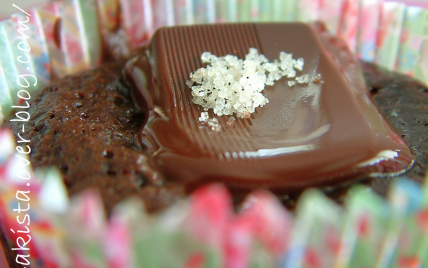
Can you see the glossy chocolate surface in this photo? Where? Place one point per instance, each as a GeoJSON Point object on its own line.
{"type": "Point", "coordinates": [308, 135]}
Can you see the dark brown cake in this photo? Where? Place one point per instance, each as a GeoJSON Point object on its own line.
{"type": "Point", "coordinates": [404, 103]}
{"type": "Point", "coordinates": [94, 143]}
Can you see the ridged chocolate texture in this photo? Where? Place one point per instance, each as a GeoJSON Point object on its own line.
{"type": "Point", "coordinates": [309, 135]}
{"type": "Point", "coordinates": [180, 54]}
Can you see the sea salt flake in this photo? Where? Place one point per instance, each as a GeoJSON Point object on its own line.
{"type": "Point", "coordinates": [204, 117]}
{"type": "Point", "coordinates": [298, 65]}
{"type": "Point", "coordinates": [303, 79]}
{"type": "Point", "coordinates": [214, 125]}
{"type": "Point", "coordinates": [231, 122]}
{"type": "Point", "coordinates": [246, 114]}
{"type": "Point", "coordinates": [206, 56]}
{"type": "Point", "coordinates": [317, 79]}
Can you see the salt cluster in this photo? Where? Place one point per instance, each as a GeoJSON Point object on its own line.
{"type": "Point", "coordinates": [230, 85]}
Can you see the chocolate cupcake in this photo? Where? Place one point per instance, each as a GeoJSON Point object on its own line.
{"type": "Point", "coordinates": [62, 108]}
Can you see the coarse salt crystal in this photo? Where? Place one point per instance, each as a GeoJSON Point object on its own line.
{"type": "Point", "coordinates": [303, 79]}
{"type": "Point", "coordinates": [231, 122]}
{"type": "Point", "coordinates": [215, 126]}
{"type": "Point", "coordinates": [204, 117]}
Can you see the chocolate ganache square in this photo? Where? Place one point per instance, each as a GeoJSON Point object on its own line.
{"type": "Point", "coordinates": [319, 133]}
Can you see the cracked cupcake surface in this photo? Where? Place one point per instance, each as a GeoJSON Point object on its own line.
{"type": "Point", "coordinates": [86, 125]}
